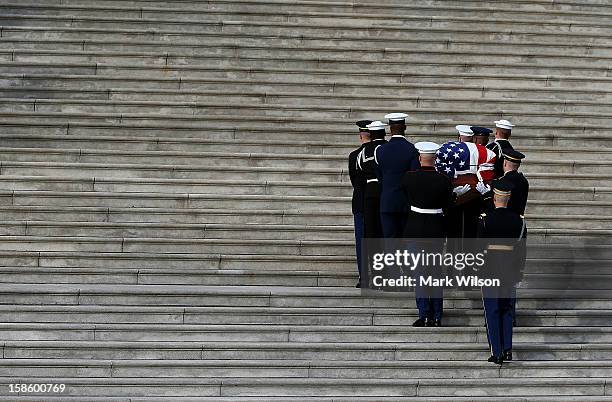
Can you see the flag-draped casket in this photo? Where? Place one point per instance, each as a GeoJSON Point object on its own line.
{"type": "Point", "coordinates": [466, 163]}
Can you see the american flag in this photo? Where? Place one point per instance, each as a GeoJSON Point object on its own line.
{"type": "Point", "coordinates": [457, 158]}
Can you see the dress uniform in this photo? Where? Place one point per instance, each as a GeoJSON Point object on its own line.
{"type": "Point", "coordinates": [504, 230]}
{"type": "Point", "coordinates": [358, 189]}
{"type": "Point", "coordinates": [520, 184]}
{"type": "Point", "coordinates": [394, 159]}
{"type": "Point", "coordinates": [500, 145]}
{"type": "Point", "coordinates": [428, 194]}
{"type": "Point", "coordinates": [366, 166]}
{"type": "Point", "coordinates": [518, 198]}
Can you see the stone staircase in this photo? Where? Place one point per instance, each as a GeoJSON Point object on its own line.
{"type": "Point", "coordinates": [175, 204]}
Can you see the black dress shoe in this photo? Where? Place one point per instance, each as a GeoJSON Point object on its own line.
{"type": "Point", "coordinates": [437, 323]}
{"type": "Point", "coordinates": [419, 323]}
{"type": "Point", "coordinates": [429, 322]}
{"type": "Point", "coordinates": [358, 285]}
{"type": "Point", "coordinates": [495, 359]}
{"type": "Point", "coordinates": [508, 355]}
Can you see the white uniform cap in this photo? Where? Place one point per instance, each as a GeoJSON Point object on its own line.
{"type": "Point", "coordinates": [427, 147]}
{"type": "Point", "coordinates": [376, 125]}
{"type": "Point", "coordinates": [393, 117]}
{"type": "Point", "coordinates": [464, 130]}
{"type": "Point", "coordinates": [504, 124]}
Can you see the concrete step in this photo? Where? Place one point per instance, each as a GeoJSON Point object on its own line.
{"type": "Point", "coordinates": [255, 93]}
{"type": "Point", "coordinates": [298, 369]}
{"type": "Point", "coordinates": [52, 145]}
{"type": "Point", "coordinates": [273, 11]}
{"type": "Point", "coordinates": [219, 43]}
{"type": "Point", "coordinates": [322, 266]}
{"type": "Point", "coordinates": [243, 387]}
{"type": "Point", "coordinates": [316, 399]}
{"type": "Point", "coordinates": [279, 296]}
{"type": "Point", "coordinates": [486, 75]}
{"type": "Point", "coordinates": [177, 231]}
{"type": "Point", "coordinates": [537, 210]}
{"type": "Point", "coordinates": [251, 231]}
{"type": "Point", "coordinates": [238, 128]}
{"type": "Point", "coordinates": [553, 278]}
{"type": "Point", "coordinates": [285, 316]}
{"type": "Point", "coordinates": [42, 156]}
{"type": "Point", "coordinates": [144, 350]}
{"type": "Point", "coordinates": [25, 198]}
{"type": "Point", "coordinates": [184, 20]}
{"type": "Point", "coordinates": [22, 49]}
{"type": "Point", "coordinates": [107, 87]}
{"type": "Point", "coordinates": [300, 111]}
{"type": "Point", "coordinates": [193, 261]}
{"type": "Point", "coordinates": [443, 62]}
{"type": "Point", "coordinates": [183, 101]}
{"type": "Point", "coordinates": [440, 7]}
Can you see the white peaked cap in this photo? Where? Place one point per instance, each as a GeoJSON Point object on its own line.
{"type": "Point", "coordinates": [427, 147]}
{"type": "Point", "coordinates": [376, 125]}
{"type": "Point", "coordinates": [396, 116]}
{"type": "Point", "coordinates": [504, 124]}
{"type": "Point", "coordinates": [464, 130]}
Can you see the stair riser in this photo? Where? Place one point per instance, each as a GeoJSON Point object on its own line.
{"type": "Point", "coordinates": [451, 319]}
{"type": "Point", "coordinates": [118, 88]}
{"type": "Point", "coordinates": [289, 354]}
{"type": "Point", "coordinates": [271, 11]}
{"type": "Point", "coordinates": [386, 7]}
{"type": "Point", "coordinates": [190, 23]}
{"type": "Point", "coordinates": [445, 64]}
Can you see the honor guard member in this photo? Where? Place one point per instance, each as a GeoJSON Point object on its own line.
{"type": "Point", "coordinates": [428, 194]}
{"type": "Point", "coordinates": [503, 131]}
{"type": "Point", "coordinates": [520, 191]}
{"type": "Point", "coordinates": [481, 135]}
{"type": "Point", "coordinates": [518, 198]}
{"type": "Point", "coordinates": [358, 188]}
{"type": "Point", "coordinates": [366, 166]}
{"type": "Point", "coordinates": [504, 230]}
{"type": "Point", "coordinates": [394, 159]}
{"type": "Point", "coordinates": [463, 219]}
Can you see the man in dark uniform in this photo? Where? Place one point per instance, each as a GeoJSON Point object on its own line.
{"type": "Point", "coordinates": [481, 135]}
{"type": "Point", "coordinates": [428, 194]}
{"type": "Point", "coordinates": [504, 230]}
{"type": "Point", "coordinates": [394, 159]}
{"type": "Point", "coordinates": [518, 200]}
{"type": "Point", "coordinates": [520, 191]}
{"type": "Point", "coordinates": [503, 131]}
{"type": "Point", "coordinates": [358, 188]}
{"type": "Point", "coordinates": [366, 166]}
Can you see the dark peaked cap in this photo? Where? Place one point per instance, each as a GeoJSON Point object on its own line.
{"type": "Point", "coordinates": [481, 130]}
{"type": "Point", "coordinates": [363, 124]}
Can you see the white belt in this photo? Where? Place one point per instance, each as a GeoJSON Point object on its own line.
{"type": "Point", "coordinates": [425, 211]}
{"type": "Point", "coordinates": [371, 180]}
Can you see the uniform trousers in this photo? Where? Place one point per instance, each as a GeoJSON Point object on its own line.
{"type": "Point", "coordinates": [498, 317]}
{"type": "Point", "coordinates": [358, 223]}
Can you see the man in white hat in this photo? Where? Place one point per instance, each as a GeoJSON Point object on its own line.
{"type": "Point", "coordinates": [429, 195]}
{"type": "Point", "coordinates": [501, 144]}
{"type": "Point", "coordinates": [394, 159]}
{"type": "Point", "coordinates": [465, 133]}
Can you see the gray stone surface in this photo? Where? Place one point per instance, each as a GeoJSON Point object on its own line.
{"type": "Point", "coordinates": [175, 207]}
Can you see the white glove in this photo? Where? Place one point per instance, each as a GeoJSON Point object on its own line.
{"type": "Point", "coordinates": [460, 190]}
{"type": "Point", "coordinates": [483, 188]}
